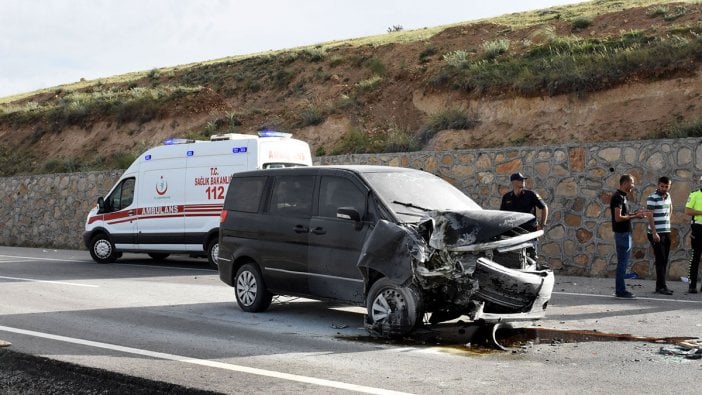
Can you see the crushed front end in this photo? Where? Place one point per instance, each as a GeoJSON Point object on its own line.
{"type": "Point", "coordinates": [480, 264]}
{"type": "Point", "coordinates": [475, 263]}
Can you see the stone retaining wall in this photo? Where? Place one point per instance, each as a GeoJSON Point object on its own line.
{"type": "Point", "coordinates": [576, 181]}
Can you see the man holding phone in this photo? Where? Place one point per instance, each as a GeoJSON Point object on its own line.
{"type": "Point", "coordinates": [621, 226]}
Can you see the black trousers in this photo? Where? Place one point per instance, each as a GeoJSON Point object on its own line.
{"type": "Point", "coordinates": [661, 250]}
{"type": "Point", "coordinates": [696, 242]}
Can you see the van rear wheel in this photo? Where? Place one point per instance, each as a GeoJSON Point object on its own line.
{"type": "Point", "coordinates": [102, 250]}
{"type": "Point", "coordinates": [251, 292]}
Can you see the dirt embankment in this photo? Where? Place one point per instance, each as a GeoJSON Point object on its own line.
{"type": "Point", "coordinates": [278, 92]}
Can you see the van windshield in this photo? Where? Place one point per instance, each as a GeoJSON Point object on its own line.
{"type": "Point", "coordinates": [411, 194]}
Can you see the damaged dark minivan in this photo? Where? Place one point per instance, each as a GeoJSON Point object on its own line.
{"type": "Point", "coordinates": [401, 242]}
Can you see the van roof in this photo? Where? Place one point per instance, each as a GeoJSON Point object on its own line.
{"type": "Point", "coordinates": [320, 169]}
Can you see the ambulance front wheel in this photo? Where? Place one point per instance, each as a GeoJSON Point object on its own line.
{"type": "Point", "coordinates": [213, 252]}
{"type": "Point", "coordinates": [102, 249]}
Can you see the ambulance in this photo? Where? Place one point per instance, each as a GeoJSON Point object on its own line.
{"type": "Point", "coordinates": [169, 200]}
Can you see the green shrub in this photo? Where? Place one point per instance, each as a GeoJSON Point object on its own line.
{"type": "Point", "coordinates": [574, 65]}
{"type": "Point", "coordinates": [457, 58]}
{"type": "Point", "coordinates": [376, 66]}
{"type": "Point", "coordinates": [281, 78]}
{"type": "Point", "coordinates": [495, 48]}
{"type": "Point", "coordinates": [345, 102]}
{"type": "Point", "coordinates": [62, 165]}
{"type": "Point", "coordinates": [312, 116]}
{"type": "Point", "coordinates": [13, 161]}
{"type": "Point", "coordinates": [427, 53]}
{"type": "Point", "coordinates": [448, 119]}
{"type": "Point", "coordinates": [679, 130]}
{"type": "Point", "coordinates": [356, 141]}
{"type": "Point", "coordinates": [370, 83]}
{"type": "Point", "coordinates": [353, 142]}
{"type": "Point", "coordinates": [395, 28]}
{"type": "Point", "coordinates": [581, 22]}
{"type": "Point", "coordinates": [336, 60]}
{"type": "Point", "coordinates": [314, 55]}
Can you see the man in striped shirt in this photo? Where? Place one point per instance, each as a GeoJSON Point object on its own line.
{"type": "Point", "coordinates": [660, 206]}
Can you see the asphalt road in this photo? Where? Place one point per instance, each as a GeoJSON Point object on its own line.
{"type": "Point", "coordinates": [174, 322]}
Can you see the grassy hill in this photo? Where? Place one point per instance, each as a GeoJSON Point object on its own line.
{"type": "Point", "coordinates": [596, 71]}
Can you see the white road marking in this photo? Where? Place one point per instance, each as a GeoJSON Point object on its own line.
{"type": "Point", "coordinates": [208, 363]}
{"type": "Point", "coordinates": [31, 258]}
{"type": "Point", "coordinates": [49, 282]}
{"type": "Point", "coordinates": [169, 267]}
{"type": "Point", "coordinates": [624, 299]}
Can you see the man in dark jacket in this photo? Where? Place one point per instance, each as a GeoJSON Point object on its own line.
{"type": "Point", "coordinates": [524, 200]}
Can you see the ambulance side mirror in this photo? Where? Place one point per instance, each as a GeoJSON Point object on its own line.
{"type": "Point", "coordinates": [101, 204]}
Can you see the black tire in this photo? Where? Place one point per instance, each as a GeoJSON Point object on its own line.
{"type": "Point", "coordinates": [250, 290]}
{"type": "Point", "coordinates": [158, 256]}
{"type": "Point", "coordinates": [393, 310]}
{"type": "Point", "coordinates": [102, 249]}
{"type": "Point", "coordinates": [212, 252]}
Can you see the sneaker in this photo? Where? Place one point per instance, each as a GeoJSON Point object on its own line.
{"type": "Point", "coordinates": [631, 276]}
{"type": "Point", "coordinates": [692, 290]}
{"type": "Point", "coordinates": [664, 291]}
{"type": "Point", "coordinates": [626, 295]}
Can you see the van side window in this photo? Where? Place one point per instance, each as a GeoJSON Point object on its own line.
{"type": "Point", "coordinates": [292, 196]}
{"type": "Point", "coordinates": [335, 192]}
{"type": "Point", "coordinates": [122, 196]}
{"type": "Point", "coordinates": [245, 194]}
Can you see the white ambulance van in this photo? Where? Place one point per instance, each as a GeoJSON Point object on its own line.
{"type": "Point", "coordinates": [169, 200]}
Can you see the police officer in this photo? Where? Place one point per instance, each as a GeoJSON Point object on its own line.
{"type": "Point", "coordinates": [693, 208]}
{"type": "Point", "coordinates": [525, 201]}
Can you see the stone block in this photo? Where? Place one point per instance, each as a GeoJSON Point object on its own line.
{"type": "Point", "coordinates": [572, 220]}
{"type": "Point", "coordinates": [583, 235]}
{"type": "Point", "coordinates": [510, 167]}
{"type": "Point", "coordinates": [593, 210]}
{"type": "Point", "coordinates": [612, 154]}
{"type": "Point", "coordinates": [567, 188]}
{"type": "Point", "coordinates": [576, 159]}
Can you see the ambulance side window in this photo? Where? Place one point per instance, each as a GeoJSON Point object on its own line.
{"type": "Point", "coordinates": [121, 197]}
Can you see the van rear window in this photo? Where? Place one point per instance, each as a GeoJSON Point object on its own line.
{"type": "Point", "coordinates": [245, 194]}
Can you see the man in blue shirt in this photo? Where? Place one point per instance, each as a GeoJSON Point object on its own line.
{"type": "Point", "coordinates": [660, 206]}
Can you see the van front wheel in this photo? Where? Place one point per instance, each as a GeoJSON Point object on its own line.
{"type": "Point", "coordinates": [102, 250]}
{"type": "Point", "coordinates": [393, 310]}
{"type": "Point", "coordinates": [251, 292]}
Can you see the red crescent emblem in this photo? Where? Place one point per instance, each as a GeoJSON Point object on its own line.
{"type": "Point", "coordinates": [162, 187]}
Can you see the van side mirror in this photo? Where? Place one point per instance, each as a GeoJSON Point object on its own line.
{"type": "Point", "coordinates": [101, 204]}
{"type": "Point", "coordinates": [348, 213]}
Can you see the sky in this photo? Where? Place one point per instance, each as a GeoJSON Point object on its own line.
{"type": "Point", "coordinates": [45, 43]}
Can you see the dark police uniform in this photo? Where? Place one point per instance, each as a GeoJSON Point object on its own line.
{"type": "Point", "coordinates": [526, 202]}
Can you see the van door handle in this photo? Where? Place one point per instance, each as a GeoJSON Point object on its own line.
{"type": "Point", "coordinates": [301, 229]}
{"type": "Point", "coordinates": [319, 231]}
{"type": "Point", "coordinates": [130, 212]}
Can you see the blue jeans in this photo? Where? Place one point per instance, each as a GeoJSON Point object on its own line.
{"type": "Point", "coordinates": [623, 242]}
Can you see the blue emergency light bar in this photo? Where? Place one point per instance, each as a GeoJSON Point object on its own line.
{"type": "Point", "coordinates": [147, 157]}
{"type": "Point", "coordinates": [239, 150]}
{"type": "Point", "coordinates": [190, 153]}
{"type": "Point", "coordinates": [173, 141]}
{"type": "Point", "coordinates": [273, 133]}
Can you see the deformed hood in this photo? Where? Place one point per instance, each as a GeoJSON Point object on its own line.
{"type": "Point", "coordinates": [461, 228]}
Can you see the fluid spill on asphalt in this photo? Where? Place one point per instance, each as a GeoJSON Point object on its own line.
{"type": "Point", "coordinates": [477, 340]}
